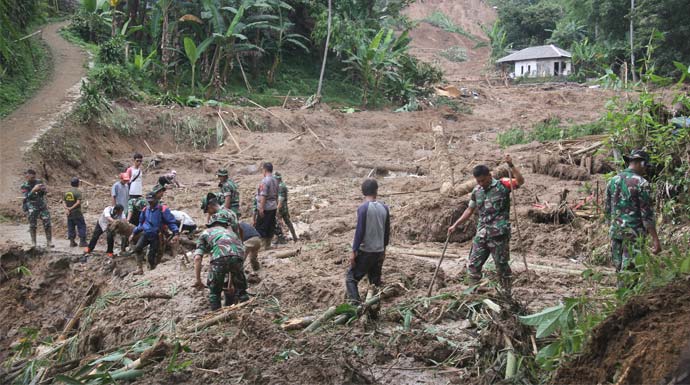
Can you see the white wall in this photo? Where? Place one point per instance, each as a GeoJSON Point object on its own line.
{"type": "Point", "coordinates": [541, 68]}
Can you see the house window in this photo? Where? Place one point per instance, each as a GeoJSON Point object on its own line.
{"type": "Point", "coordinates": [522, 70]}
{"type": "Point", "coordinates": [529, 69]}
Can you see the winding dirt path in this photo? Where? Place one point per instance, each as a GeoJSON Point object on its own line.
{"type": "Point", "coordinates": [40, 112]}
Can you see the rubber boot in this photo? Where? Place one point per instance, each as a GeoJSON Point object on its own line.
{"type": "Point", "coordinates": [230, 298]}
{"type": "Point", "coordinates": [506, 286]}
{"type": "Point", "coordinates": [32, 232]}
{"type": "Point", "coordinates": [72, 243]}
{"type": "Point", "coordinates": [140, 268]}
{"type": "Point", "coordinates": [215, 305]}
{"type": "Point", "coordinates": [82, 242]}
{"type": "Point", "coordinates": [49, 238]}
{"type": "Point", "coordinates": [292, 231]}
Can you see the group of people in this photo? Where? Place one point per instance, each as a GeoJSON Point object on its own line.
{"type": "Point", "coordinates": [227, 240]}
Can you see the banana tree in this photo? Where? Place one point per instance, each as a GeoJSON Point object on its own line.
{"type": "Point", "coordinates": [193, 53]}
{"type": "Point", "coordinates": [375, 60]}
{"type": "Point", "coordinates": [282, 37]}
{"type": "Point", "coordinates": [232, 41]}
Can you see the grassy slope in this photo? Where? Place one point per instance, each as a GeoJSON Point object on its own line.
{"type": "Point", "coordinates": [17, 89]}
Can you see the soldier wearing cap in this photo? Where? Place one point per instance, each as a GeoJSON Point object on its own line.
{"type": "Point", "coordinates": [283, 212]}
{"type": "Point", "coordinates": [211, 205]}
{"type": "Point", "coordinates": [630, 211]}
{"type": "Point", "coordinates": [229, 191]}
{"type": "Point", "coordinates": [34, 205]}
{"type": "Point", "coordinates": [227, 257]}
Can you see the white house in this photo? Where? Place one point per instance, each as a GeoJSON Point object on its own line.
{"type": "Point", "coordinates": [541, 61]}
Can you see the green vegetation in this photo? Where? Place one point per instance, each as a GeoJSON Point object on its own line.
{"type": "Point", "coordinates": [24, 61]}
{"type": "Point", "coordinates": [550, 129]}
{"type": "Point", "coordinates": [213, 51]}
{"type": "Point", "coordinates": [441, 20]}
{"type": "Point", "coordinates": [597, 31]}
{"type": "Point", "coordinates": [454, 54]}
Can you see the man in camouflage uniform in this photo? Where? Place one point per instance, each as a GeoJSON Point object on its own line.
{"type": "Point", "coordinates": [227, 257]}
{"type": "Point", "coordinates": [491, 197]}
{"type": "Point", "coordinates": [34, 205]}
{"type": "Point", "coordinates": [283, 211]}
{"type": "Point", "coordinates": [630, 211]}
{"type": "Point", "coordinates": [211, 205]}
{"type": "Point", "coordinates": [229, 191]}
{"type": "Point", "coordinates": [134, 208]}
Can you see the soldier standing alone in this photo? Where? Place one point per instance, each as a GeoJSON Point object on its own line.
{"type": "Point", "coordinates": [35, 207]}
{"type": "Point", "coordinates": [630, 210]}
{"type": "Point", "coordinates": [491, 197]}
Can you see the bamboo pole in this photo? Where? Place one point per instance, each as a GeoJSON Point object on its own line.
{"type": "Point", "coordinates": [433, 279]}
{"type": "Point", "coordinates": [229, 132]}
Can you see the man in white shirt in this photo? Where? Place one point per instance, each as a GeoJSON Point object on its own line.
{"type": "Point", "coordinates": [136, 177]}
{"type": "Point", "coordinates": [110, 214]}
{"type": "Point", "coordinates": [184, 221]}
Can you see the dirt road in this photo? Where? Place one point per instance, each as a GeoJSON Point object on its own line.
{"type": "Point", "coordinates": [39, 113]}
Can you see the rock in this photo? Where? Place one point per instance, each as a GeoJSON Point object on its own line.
{"type": "Point", "coordinates": [59, 263]}
{"type": "Point", "coordinates": [446, 188]}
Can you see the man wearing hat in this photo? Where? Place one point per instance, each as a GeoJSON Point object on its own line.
{"type": "Point", "coordinates": [211, 205]}
{"type": "Point", "coordinates": [75, 219]}
{"type": "Point", "coordinates": [229, 191]}
{"type": "Point", "coordinates": [34, 205]}
{"type": "Point", "coordinates": [151, 222]}
{"type": "Point", "coordinates": [227, 257]}
{"type": "Point", "coordinates": [120, 191]}
{"type": "Point", "coordinates": [283, 212]}
{"type": "Point", "coordinates": [630, 211]}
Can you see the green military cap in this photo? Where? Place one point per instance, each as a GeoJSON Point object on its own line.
{"type": "Point", "coordinates": [637, 155]}
{"type": "Point", "coordinates": [220, 217]}
{"type": "Point", "coordinates": [222, 172]}
{"type": "Point", "coordinates": [278, 176]}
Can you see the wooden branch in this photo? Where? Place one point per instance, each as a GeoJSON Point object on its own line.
{"type": "Point", "coordinates": [28, 36]}
{"type": "Point", "coordinates": [226, 313]}
{"type": "Point", "coordinates": [588, 149]}
{"type": "Point", "coordinates": [414, 169]}
{"type": "Point", "coordinates": [149, 147]}
{"type": "Point", "coordinates": [317, 138]}
{"type": "Point", "coordinates": [229, 132]}
{"type": "Point", "coordinates": [272, 114]}
{"type": "Point", "coordinates": [246, 82]}
{"type": "Point", "coordinates": [151, 295]}
{"type": "Point", "coordinates": [286, 98]}
{"type": "Point", "coordinates": [284, 253]}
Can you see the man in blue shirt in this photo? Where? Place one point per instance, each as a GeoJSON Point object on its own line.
{"type": "Point", "coordinates": [151, 222]}
{"type": "Point", "coordinates": [371, 238]}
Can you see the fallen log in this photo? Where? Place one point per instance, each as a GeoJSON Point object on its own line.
{"type": "Point", "coordinates": [284, 253]}
{"type": "Point", "coordinates": [552, 166]}
{"type": "Point", "coordinates": [226, 313]}
{"type": "Point", "coordinates": [152, 295]}
{"type": "Point", "coordinates": [588, 149]}
{"type": "Point", "coordinates": [415, 169]}
{"type": "Point", "coordinates": [159, 350]}
{"type": "Point", "coordinates": [297, 323]}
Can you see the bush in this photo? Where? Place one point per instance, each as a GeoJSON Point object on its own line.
{"type": "Point", "coordinates": [114, 81]}
{"type": "Point", "coordinates": [454, 54]}
{"type": "Point", "coordinates": [112, 51]}
{"type": "Point", "coordinates": [92, 103]}
{"type": "Point", "coordinates": [550, 129]}
{"type": "Point", "coordinates": [89, 27]}
{"type": "Point", "coordinates": [120, 121]}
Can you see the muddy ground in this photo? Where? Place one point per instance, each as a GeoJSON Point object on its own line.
{"type": "Point", "coordinates": [454, 337]}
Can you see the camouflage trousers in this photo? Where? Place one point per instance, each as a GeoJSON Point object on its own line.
{"type": "Point", "coordinates": [35, 213]}
{"type": "Point", "coordinates": [498, 247]}
{"type": "Point", "coordinates": [623, 252]}
{"type": "Point", "coordinates": [217, 274]}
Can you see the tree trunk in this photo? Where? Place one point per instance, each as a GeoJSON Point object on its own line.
{"type": "Point", "coordinates": [165, 52]}
{"type": "Point", "coordinates": [325, 52]}
{"type": "Point", "coordinates": [632, 44]}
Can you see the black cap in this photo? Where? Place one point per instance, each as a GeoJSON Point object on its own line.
{"type": "Point", "coordinates": [637, 155]}
{"type": "Point", "coordinates": [74, 182]}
